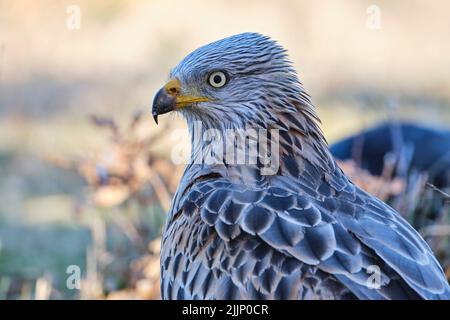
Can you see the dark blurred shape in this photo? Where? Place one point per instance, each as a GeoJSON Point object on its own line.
{"type": "Point", "coordinates": [411, 147]}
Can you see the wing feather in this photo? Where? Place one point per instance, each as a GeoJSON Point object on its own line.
{"type": "Point", "coordinates": [342, 235]}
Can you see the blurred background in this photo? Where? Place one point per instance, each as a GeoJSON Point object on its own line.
{"type": "Point", "coordinates": [85, 174]}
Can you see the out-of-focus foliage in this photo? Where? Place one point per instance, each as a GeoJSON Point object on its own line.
{"type": "Point", "coordinates": [381, 186]}
{"type": "Point", "coordinates": [124, 178]}
{"type": "Point", "coordinates": [125, 168]}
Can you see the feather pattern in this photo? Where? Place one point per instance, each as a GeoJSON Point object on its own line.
{"type": "Point", "coordinates": [305, 232]}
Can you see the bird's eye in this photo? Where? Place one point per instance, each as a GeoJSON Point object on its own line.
{"type": "Point", "coordinates": [217, 79]}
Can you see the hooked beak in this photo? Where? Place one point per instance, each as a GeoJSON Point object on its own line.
{"type": "Point", "coordinates": [169, 98]}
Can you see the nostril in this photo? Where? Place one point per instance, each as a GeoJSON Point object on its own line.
{"type": "Point", "coordinates": [173, 90]}
{"type": "Point", "coordinates": [173, 87]}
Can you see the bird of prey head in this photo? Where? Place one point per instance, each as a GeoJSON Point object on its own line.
{"type": "Point", "coordinates": [245, 81]}
{"type": "Point", "coordinates": [305, 232]}
{"type": "Point", "coordinates": [233, 82]}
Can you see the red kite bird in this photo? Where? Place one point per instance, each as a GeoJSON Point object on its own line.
{"type": "Point", "coordinates": [302, 231]}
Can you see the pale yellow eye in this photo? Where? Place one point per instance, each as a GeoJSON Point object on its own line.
{"type": "Point", "coordinates": [217, 79]}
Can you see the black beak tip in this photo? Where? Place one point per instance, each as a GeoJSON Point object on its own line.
{"type": "Point", "coordinates": [162, 103]}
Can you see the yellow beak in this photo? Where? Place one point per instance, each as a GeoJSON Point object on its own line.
{"type": "Point", "coordinates": [169, 98]}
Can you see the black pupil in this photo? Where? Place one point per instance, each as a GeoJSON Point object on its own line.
{"type": "Point", "coordinates": [217, 79]}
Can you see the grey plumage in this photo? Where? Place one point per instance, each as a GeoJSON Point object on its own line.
{"type": "Point", "coordinates": [305, 232]}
